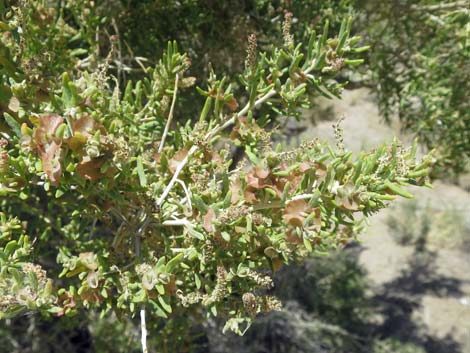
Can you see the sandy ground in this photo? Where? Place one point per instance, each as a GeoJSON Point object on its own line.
{"type": "Point", "coordinates": [429, 287]}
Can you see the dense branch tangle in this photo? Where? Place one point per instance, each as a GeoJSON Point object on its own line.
{"type": "Point", "coordinates": [202, 233]}
{"type": "Point", "coordinates": [257, 85]}
{"type": "Point", "coordinates": [287, 77]}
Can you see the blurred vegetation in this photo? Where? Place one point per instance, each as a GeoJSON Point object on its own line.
{"type": "Point", "coordinates": [413, 223]}
{"type": "Point", "coordinates": [419, 66]}
{"type": "Point", "coordinates": [215, 31]}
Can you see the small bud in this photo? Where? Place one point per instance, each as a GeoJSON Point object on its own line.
{"type": "Point", "coordinates": [26, 130]}
{"type": "Point", "coordinates": [93, 144]}
{"type": "Point", "coordinates": [59, 133]}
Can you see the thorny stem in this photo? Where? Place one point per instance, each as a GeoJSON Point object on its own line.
{"type": "Point", "coordinates": [241, 113]}
{"type": "Point", "coordinates": [143, 325]}
{"type": "Point", "coordinates": [301, 197]}
{"type": "Point", "coordinates": [188, 195]}
{"type": "Point", "coordinates": [172, 182]}
{"type": "Point", "coordinates": [143, 330]}
{"type": "Point", "coordinates": [170, 116]}
{"type": "Point", "coordinates": [176, 222]}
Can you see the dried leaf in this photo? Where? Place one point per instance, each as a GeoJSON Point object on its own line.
{"type": "Point", "coordinates": [236, 190]}
{"type": "Point", "coordinates": [232, 104]}
{"type": "Point", "coordinates": [320, 171]}
{"type": "Point", "coordinates": [250, 197]}
{"type": "Point", "coordinates": [347, 202]}
{"type": "Point", "coordinates": [258, 178]}
{"type": "Point", "coordinates": [92, 279]}
{"type": "Point", "coordinates": [48, 146]}
{"type": "Point", "coordinates": [277, 264]}
{"type": "Point", "coordinates": [296, 212]}
{"type": "Point", "coordinates": [66, 301]}
{"type": "Point", "coordinates": [90, 168]}
{"type": "Point", "coordinates": [49, 123]}
{"type": "Point", "coordinates": [91, 295]}
{"type": "Point", "coordinates": [305, 166]}
{"type": "Point", "coordinates": [316, 224]}
{"type": "Point", "coordinates": [170, 287]}
{"type": "Point", "coordinates": [76, 142]}
{"type": "Point", "coordinates": [85, 125]}
{"type": "Point", "coordinates": [88, 259]}
{"type": "Point", "coordinates": [292, 237]}
{"type": "Point", "coordinates": [176, 160]}
{"type": "Point", "coordinates": [261, 172]}
{"type": "Point", "coordinates": [14, 104]}
{"type": "Point", "coordinates": [51, 165]}
{"type": "Point", "coordinates": [345, 197]}
{"type": "Point", "coordinates": [208, 218]}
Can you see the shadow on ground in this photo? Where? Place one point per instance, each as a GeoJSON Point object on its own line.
{"type": "Point", "coordinates": [331, 308]}
{"type": "Point", "coordinates": [399, 300]}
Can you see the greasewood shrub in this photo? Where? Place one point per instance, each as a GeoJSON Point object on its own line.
{"type": "Point", "coordinates": [111, 203]}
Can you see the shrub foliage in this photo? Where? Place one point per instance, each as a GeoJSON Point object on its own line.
{"type": "Point", "coordinates": [111, 201]}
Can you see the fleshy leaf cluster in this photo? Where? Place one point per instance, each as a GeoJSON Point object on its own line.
{"type": "Point", "coordinates": [144, 211]}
